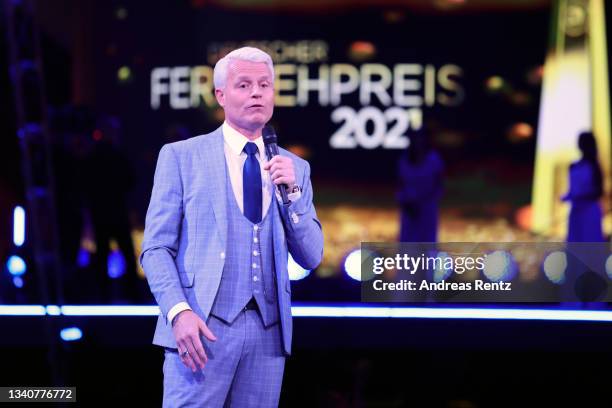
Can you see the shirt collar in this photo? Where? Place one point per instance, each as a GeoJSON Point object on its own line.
{"type": "Point", "coordinates": [236, 140]}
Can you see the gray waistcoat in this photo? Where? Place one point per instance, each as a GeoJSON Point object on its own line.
{"type": "Point", "coordinates": [249, 265]}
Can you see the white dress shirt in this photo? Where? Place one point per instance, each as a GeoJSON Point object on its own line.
{"type": "Point", "coordinates": [235, 156]}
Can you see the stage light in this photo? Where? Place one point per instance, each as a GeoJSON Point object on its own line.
{"type": "Point", "coordinates": [16, 265]}
{"type": "Point", "coordinates": [519, 132]}
{"type": "Point", "coordinates": [522, 217]}
{"type": "Point", "coordinates": [83, 258]}
{"type": "Point", "coordinates": [346, 310]}
{"type": "Point", "coordinates": [362, 50]}
{"type": "Point", "coordinates": [303, 151]}
{"type": "Point", "coordinates": [22, 310]}
{"type": "Point", "coordinates": [442, 273]}
{"type": "Point", "coordinates": [495, 83]}
{"type": "Point", "coordinates": [71, 334]}
{"type": "Point", "coordinates": [352, 265]}
{"type": "Point", "coordinates": [124, 74]}
{"type": "Point", "coordinates": [353, 261]}
{"type": "Point", "coordinates": [296, 272]}
{"type": "Point", "coordinates": [18, 282]}
{"type": "Point", "coordinates": [19, 226]}
{"type": "Point", "coordinates": [100, 310]}
{"type": "Point", "coordinates": [500, 266]}
{"type": "Point", "coordinates": [451, 313]}
{"type": "Point", "coordinates": [53, 310]}
{"type": "Point", "coordinates": [554, 267]}
{"type": "Point", "coordinates": [116, 264]}
{"type": "Point", "coordinates": [609, 266]}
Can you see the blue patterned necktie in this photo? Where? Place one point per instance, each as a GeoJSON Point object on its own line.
{"type": "Point", "coordinates": [251, 184]}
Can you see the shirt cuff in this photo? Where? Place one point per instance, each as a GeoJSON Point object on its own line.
{"type": "Point", "coordinates": [176, 309]}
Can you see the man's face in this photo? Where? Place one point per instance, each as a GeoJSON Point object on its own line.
{"type": "Point", "coordinates": [248, 97]}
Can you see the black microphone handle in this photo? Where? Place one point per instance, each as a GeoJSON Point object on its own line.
{"type": "Point", "coordinates": [271, 151]}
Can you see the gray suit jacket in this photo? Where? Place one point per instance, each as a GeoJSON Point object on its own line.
{"type": "Point", "coordinates": [185, 238]}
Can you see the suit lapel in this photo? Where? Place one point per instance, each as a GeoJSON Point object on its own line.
{"type": "Point", "coordinates": [214, 161]}
{"type": "Point", "coordinates": [212, 154]}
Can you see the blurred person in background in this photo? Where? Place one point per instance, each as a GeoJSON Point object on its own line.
{"type": "Point", "coordinates": [420, 171]}
{"type": "Point", "coordinates": [585, 191]}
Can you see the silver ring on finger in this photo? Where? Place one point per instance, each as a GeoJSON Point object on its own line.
{"type": "Point", "coordinates": [184, 353]}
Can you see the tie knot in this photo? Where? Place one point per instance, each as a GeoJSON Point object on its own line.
{"type": "Point", "coordinates": [250, 148]}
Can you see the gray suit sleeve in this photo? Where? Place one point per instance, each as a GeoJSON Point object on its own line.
{"type": "Point", "coordinates": [303, 228]}
{"type": "Point", "coordinates": [162, 232]}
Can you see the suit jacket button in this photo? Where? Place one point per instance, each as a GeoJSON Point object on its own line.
{"type": "Point", "coordinates": [222, 255]}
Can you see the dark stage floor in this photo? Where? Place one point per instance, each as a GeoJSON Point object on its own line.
{"type": "Point", "coordinates": [341, 362]}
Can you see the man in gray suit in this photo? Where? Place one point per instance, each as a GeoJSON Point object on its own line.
{"type": "Point", "coordinates": [216, 244]}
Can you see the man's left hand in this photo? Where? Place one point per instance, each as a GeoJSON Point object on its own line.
{"type": "Point", "coordinates": [281, 170]}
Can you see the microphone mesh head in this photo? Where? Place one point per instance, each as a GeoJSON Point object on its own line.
{"type": "Point", "coordinates": [268, 134]}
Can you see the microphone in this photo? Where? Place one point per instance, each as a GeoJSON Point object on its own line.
{"type": "Point", "coordinates": [269, 139]}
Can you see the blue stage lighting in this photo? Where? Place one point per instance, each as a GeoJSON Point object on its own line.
{"type": "Point", "coordinates": [554, 266]}
{"type": "Point", "coordinates": [441, 273]}
{"type": "Point", "coordinates": [336, 310]}
{"type": "Point", "coordinates": [53, 310]}
{"type": "Point", "coordinates": [83, 258]}
{"type": "Point", "coordinates": [18, 282]}
{"type": "Point", "coordinates": [19, 219]}
{"type": "Point", "coordinates": [500, 266]}
{"type": "Point", "coordinates": [16, 265]}
{"type": "Point", "coordinates": [71, 334]}
{"type": "Point", "coordinates": [116, 265]}
{"type": "Point", "coordinates": [352, 264]}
